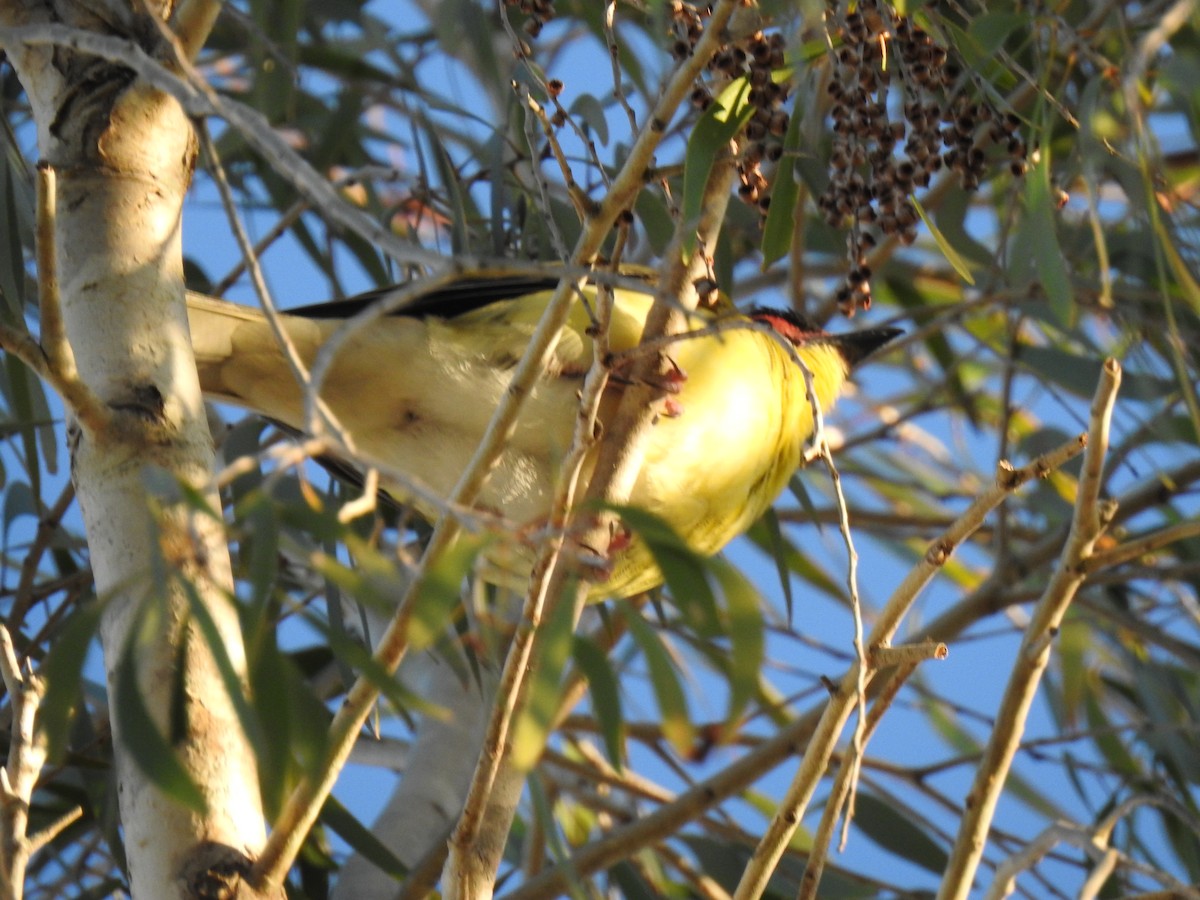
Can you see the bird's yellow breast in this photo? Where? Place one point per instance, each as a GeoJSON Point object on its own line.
{"type": "Point", "coordinates": [714, 469]}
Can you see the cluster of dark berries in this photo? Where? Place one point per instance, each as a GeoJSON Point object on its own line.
{"type": "Point", "coordinates": [539, 12]}
{"type": "Point", "coordinates": [758, 57]}
{"type": "Point", "coordinates": [878, 160]}
{"type": "Point", "coordinates": [687, 24]}
{"type": "Point", "coordinates": [755, 57]}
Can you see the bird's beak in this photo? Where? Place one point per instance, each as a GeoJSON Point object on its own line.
{"type": "Point", "coordinates": [855, 346]}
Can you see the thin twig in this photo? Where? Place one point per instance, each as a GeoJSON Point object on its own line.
{"type": "Point", "coordinates": [192, 22]}
{"type": "Point", "coordinates": [1131, 550]}
{"type": "Point", "coordinates": [54, 829]}
{"type": "Point", "coordinates": [1094, 841]}
{"type": "Point", "coordinates": [1088, 522]}
{"type": "Point", "coordinates": [54, 360]}
{"type": "Point", "coordinates": [26, 755]}
{"type": "Point", "coordinates": [818, 853]}
{"type": "Point", "coordinates": [47, 529]}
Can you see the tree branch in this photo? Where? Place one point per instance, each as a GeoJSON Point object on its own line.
{"type": "Point", "coordinates": [1089, 521]}
{"type": "Point", "coordinates": [26, 755]}
{"type": "Point", "coordinates": [52, 358]}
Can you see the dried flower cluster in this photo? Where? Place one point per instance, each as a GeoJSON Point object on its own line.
{"type": "Point", "coordinates": [757, 58]}
{"type": "Point", "coordinates": [539, 12]}
{"type": "Point", "coordinates": [879, 160]}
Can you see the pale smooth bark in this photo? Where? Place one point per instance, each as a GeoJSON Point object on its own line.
{"type": "Point", "coordinates": [124, 155]}
{"type": "Point", "coordinates": [429, 797]}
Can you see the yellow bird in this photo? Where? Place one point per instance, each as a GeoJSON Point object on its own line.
{"type": "Point", "coordinates": [416, 390]}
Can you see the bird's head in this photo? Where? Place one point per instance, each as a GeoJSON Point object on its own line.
{"type": "Point", "coordinates": [801, 331]}
{"type": "Point", "coordinates": [828, 358]}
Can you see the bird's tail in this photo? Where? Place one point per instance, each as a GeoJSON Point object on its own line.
{"type": "Point", "coordinates": [214, 324]}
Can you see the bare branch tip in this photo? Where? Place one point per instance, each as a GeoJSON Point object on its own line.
{"type": "Point", "coordinates": [1108, 511]}
{"type": "Point", "coordinates": [1008, 477]}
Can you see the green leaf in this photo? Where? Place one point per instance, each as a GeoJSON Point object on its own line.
{"type": "Point", "coordinates": [63, 674]}
{"type": "Point", "coordinates": [672, 703]}
{"type": "Point", "coordinates": [230, 678]}
{"type": "Point", "coordinates": [896, 830]}
{"type": "Point", "coordinates": [261, 547]}
{"type": "Point", "coordinates": [360, 659]}
{"type": "Point", "coordinates": [959, 264]}
{"type": "Point", "coordinates": [544, 689]}
{"type": "Point", "coordinates": [684, 571]}
{"type": "Point", "coordinates": [779, 547]}
{"type": "Point", "coordinates": [588, 108]}
{"type": "Point", "coordinates": [720, 123]}
{"type": "Point", "coordinates": [150, 751]}
{"type": "Point", "coordinates": [993, 29]}
{"type": "Point", "coordinates": [747, 639]}
{"type": "Point", "coordinates": [605, 695]}
{"type": "Point", "coordinates": [441, 590]}
{"type": "Point", "coordinates": [1041, 211]}
{"type": "Point", "coordinates": [361, 839]}
{"type": "Point", "coordinates": [781, 214]}
{"type": "Point", "coordinates": [294, 720]}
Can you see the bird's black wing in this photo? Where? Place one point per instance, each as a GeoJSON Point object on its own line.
{"type": "Point", "coordinates": [463, 295]}
{"type": "Point", "coordinates": [466, 293]}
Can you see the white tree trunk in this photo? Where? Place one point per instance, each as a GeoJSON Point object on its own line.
{"type": "Point", "coordinates": [429, 797]}
{"type": "Point", "coordinates": [124, 156]}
